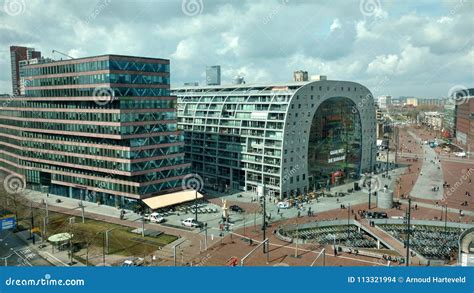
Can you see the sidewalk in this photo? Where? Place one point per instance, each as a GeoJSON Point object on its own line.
{"type": "Point", "coordinates": [45, 250]}
{"type": "Point", "coordinates": [431, 175]}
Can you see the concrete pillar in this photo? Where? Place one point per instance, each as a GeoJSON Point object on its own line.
{"type": "Point", "coordinates": [378, 244]}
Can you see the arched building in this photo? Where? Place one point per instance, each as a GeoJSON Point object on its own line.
{"type": "Point", "coordinates": [291, 137]}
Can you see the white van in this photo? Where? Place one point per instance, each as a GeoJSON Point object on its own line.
{"type": "Point", "coordinates": [155, 218]}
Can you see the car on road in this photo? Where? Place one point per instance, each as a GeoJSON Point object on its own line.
{"type": "Point", "coordinates": [133, 262]}
{"type": "Point", "coordinates": [376, 215]}
{"type": "Point", "coordinates": [283, 205]}
{"type": "Point", "coordinates": [155, 218]}
{"type": "Point", "coordinates": [191, 222]}
{"type": "Point", "coordinates": [236, 208]}
{"type": "Point", "coordinates": [461, 155]}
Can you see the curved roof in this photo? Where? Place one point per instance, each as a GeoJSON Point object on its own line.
{"type": "Point", "coordinates": [241, 86]}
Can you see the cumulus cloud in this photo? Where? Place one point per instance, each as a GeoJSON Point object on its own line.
{"type": "Point", "coordinates": [413, 45]}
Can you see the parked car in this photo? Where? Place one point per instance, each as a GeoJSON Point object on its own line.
{"type": "Point", "coordinates": [461, 155]}
{"type": "Point", "coordinates": [283, 205]}
{"type": "Point", "coordinates": [191, 222]}
{"type": "Point", "coordinates": [236, 208]}
{"type": "Point", "coordinates": [155, 218]}
{"type": "Point", "coordinates": [133, 262]}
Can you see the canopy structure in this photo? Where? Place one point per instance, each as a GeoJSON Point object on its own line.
{"type": "Point", "coordinates": [165, 200]}
{"type": "Point", "coordinates": [60, 237]}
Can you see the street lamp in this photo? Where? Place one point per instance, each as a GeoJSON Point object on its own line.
{"type": "Point", "coordinates": [196, 205]}
{"type": "Point", "coordinates": [264, 227]}
{"type": "Point", "coordinates": [408, 231]}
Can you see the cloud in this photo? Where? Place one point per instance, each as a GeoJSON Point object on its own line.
{"type": "Point", "coordinates": [336, 24]}
{"type": "Point", "coordinates": [428, 44]}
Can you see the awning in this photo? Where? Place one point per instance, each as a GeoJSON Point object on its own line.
{"type": "Point", "coordinates": [165, 200]}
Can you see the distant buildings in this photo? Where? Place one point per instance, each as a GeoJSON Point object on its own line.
{"type": "Point", "coordinates": [449, 122]}
{"type": "Point", "coordinates": [433, 120]}
{"type": "Point", "coordinates": [411, 102]}
{"type": "Point", "coordinates": [384, 102]}
{"type": "Point", "coordinates": [465, 121]}
{"type": "Point", "coordinates": [213, 75]}
{"type": "Point", "coordinates": [101, 129]}
{"type": "Point", "coordinates": [300, 75]}
{"type": "Point", "coordinates": [18, 54]}
{"type": "Point", "coordinates": [459, 118]}
{"type": "Point", "coordinates": [433, 102]}
{"type": "Point", "coordinates": [192, 83]}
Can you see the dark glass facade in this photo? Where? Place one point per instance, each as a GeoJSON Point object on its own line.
{"type": "Point", "coordinates": [63, 134]}
{"type": "Point", "coordinates": [334, 142]}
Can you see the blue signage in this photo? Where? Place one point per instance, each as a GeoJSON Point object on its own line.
{"type": "Point", "coordinates": [7, 223]}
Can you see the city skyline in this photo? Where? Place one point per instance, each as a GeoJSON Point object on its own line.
{"type": "Point", "coordinates": [368, 41]}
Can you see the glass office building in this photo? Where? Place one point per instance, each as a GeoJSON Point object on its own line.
{"type": "Point", "coordinates": [286, 137]}
{"type": "Point", "coordinates": [101, 129]}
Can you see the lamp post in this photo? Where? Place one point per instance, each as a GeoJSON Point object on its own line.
{"type": "Point", "coordinates": [445, 220]}
{"type": "Point", "coordinates": [32, 233]}
{"type": "Point", "coordinates": [348, 221]}
{"type": "Point", "coordinates": [370, 176]}
{"type": "Point", "coordinates": [408, 231]}
{"type": "Point", "coordinates": [196, 205]}
{"type": "Point", "coordinates": [264, 224]}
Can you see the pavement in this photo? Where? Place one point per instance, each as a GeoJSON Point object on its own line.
{"type": "Point", "coordinates": [192, 242]}
{"type": "Point", "coordinates": [17, 250]}
{"type": "Point", "coordinates": [431, 174]}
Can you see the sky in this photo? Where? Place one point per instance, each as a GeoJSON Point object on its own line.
{"type": "Point", "coordinates": [399, 47]}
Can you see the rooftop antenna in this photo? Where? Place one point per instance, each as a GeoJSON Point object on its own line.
{"type": "Point", "coordinates": [56, 51]}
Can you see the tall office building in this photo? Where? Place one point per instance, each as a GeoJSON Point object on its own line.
{"type": "Point", "coordinates": [465, 118]}
{"type": "Point", "coordinates": [18, 54]}
{"type": "Point", "coordinates": [449, 122]}
{"type": "Point", "coordinates": [101, 129]}
{"type": "Point", "coordinates": [291, 137]}
{"type": "Point", "coordinates": [213, 75]}
{"type": "Point", "coordinates": [384, 102]}
{"type": "Point", "coordinates": [300, 75]}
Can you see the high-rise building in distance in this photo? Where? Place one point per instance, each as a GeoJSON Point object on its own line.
{"type": "Point", "coordinates": [300, 75]}
{"type": "Point", "coordinates": [213, 75]}
{"type": "Point", "coordinates": [18, 54]}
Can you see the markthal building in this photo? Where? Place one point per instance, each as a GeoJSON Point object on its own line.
{"type": "Point", "coordinates": [289, 138]}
